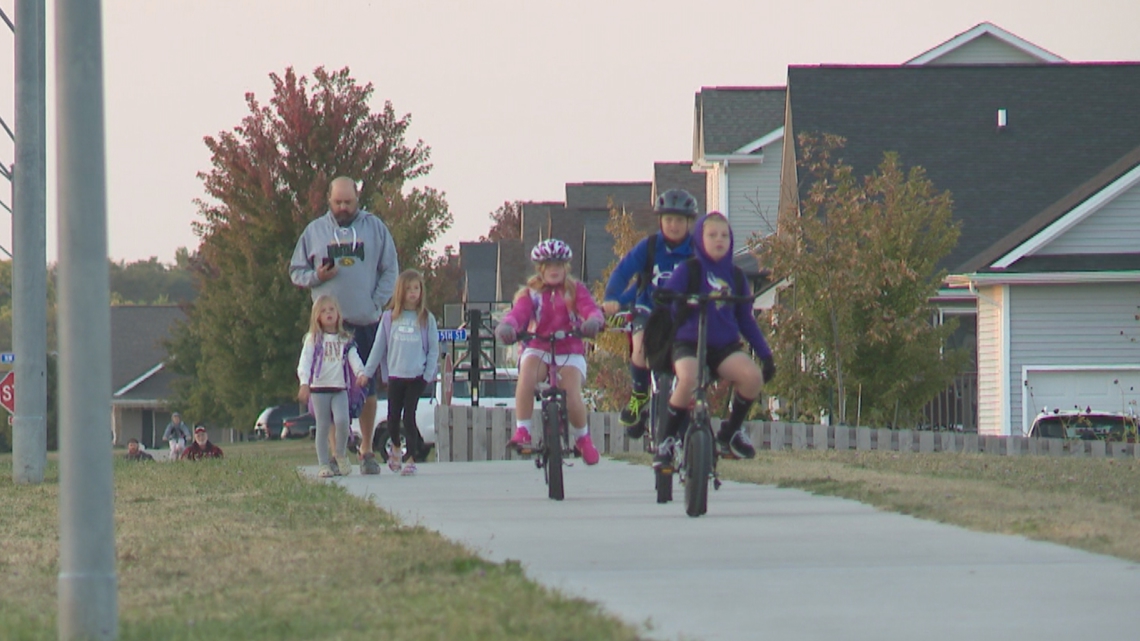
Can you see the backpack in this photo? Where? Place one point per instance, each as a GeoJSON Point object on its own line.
{"type": "Point", "coordinates": [645, 277]}
{"type": "Point", "coordinates": [661, 326]}
{"type": "Point", "coordinates": [355, 394]}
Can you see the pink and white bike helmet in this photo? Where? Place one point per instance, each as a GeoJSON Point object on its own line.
{"type": "Point", "coordinates": [551, 250]}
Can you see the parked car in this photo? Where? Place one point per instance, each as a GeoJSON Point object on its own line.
{"type": "Point", "coordinates": [1086, 426]}
{"type": "Point", "coordinates": [302, 426]}
{"type": "Point", "coordinates": [271, 419]}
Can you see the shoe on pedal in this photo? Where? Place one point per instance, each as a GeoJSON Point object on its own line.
{"type": "Point", "coordinates": [521, 439]}
{"type": "Point", "coordinates": [663, 462]}
{"type": "Point", "coordinates": [634, 413]}
{"type": "Point", "coordinates": [735, 444]}
{"type": "Point", "coordinates": [586, 448]}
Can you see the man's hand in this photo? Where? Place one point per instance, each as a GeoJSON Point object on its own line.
{"type": "Point", "coordinates": [326, 271]}
{"type": "Point", "coordinates": [610, 307]}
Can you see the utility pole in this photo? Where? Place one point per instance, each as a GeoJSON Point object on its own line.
{"type": "Point", "coordinates": [88, 587]}
{"type": "Point", "coordinates": [29, 235]}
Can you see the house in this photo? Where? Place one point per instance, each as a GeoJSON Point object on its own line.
{"type": "Point", "coordinates": [1040, 162]}
{"type": "Point", "coordinates": [738, 131]}
{"type": "Point", "coordinates": [140, 380]}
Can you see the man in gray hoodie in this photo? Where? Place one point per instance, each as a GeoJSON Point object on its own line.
{"type": "Point", "coordinates": [348, 253]}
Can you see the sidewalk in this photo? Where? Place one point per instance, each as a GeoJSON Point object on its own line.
{"type": "Point", "coordinates": [764, 562]}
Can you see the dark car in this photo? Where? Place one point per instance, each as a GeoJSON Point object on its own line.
{"type": "Point", "coordinates": [272, 419]}
{"type": "Point", "coordinates": [301, 426]}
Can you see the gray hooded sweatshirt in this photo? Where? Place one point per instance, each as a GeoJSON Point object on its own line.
{"type": "Point", "coordinates": [365, 259]}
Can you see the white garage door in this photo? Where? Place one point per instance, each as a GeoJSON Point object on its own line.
{"type": "Point", "coordinates": [1104, 390]}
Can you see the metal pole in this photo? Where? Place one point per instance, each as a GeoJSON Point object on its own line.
{"type": "Point", "coordinates": [88, 587]}
{"type": "Point", "coordinates": [29, 234]}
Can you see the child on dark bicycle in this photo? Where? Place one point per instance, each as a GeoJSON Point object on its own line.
{"type": "Point", "coordinates": [650, 262]}
{"type": "Point", "coordinates": [552, 301]}
{"type": "Point", "coordinates": [726, 323]}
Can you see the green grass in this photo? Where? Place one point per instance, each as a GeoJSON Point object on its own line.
{"type": "Point", "coordinates": [1087, 503]}
{"type": "Point", "coordinates": [244, 548]}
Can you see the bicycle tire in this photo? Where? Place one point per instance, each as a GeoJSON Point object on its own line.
{"type": "Point", "coordinates": [659, 409]}
{"type": "Point", "coordinates": [552, 442]}
{"type": "Point", "coordinates": [664, 484]}
{"type": "Point", "coordinates": [698, 469]}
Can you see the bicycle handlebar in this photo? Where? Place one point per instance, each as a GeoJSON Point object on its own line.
{"type": "Point", "coordinates": [668, 296]}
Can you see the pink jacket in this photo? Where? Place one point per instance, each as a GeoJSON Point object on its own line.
{"type": "Point", "coordinates": [553, 315]}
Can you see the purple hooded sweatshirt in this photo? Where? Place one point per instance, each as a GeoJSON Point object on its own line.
{"type": "Point", "coordinates": [726, 321]}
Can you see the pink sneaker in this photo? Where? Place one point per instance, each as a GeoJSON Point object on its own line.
{"type": "Point", "coordinates": [586, 447]}
{"type": "Point", "coordinates": [521, 437]}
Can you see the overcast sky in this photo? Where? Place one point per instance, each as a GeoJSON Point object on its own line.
{"type": "Point", "coordinates": [515, 97]}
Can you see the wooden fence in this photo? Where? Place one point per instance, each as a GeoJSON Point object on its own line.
{"type": "Point", "coordinates": [481, 434]}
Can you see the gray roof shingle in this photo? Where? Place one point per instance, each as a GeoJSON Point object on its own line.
{"type": "Point", "coordinates": [1066, 123]}
{"type": "Point", "coordinates": [597, 195]}
{"type": "Point", "coordinates": [137, 334]}
{"type": "Point", "coordinates": [728, 118]}
{"type": "Point", "coordinates": [479, 262]}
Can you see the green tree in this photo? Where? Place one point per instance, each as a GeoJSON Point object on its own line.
{"type": "Point", "coordinates": [268, 179]}
{"type": "Point", "coordinates": [147, 282]}
{"type": "Point", "coordinates": [855, 326]}
{"type": "Point", "coordinates": [506, 222]}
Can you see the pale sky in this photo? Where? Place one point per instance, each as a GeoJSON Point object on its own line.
{"type": "Point", "coordinates": [515, 97]}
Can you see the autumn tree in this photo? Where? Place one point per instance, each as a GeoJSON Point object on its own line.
{"type": "Point", "coordinates": [268, 179]}
{"type": "Point", "coordinates": [856, 325]}
{"type": "Point", "coordinates": [506, 223]}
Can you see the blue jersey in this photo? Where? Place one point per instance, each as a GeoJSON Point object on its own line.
{"type": "Point", "coordinates": [623, 284]}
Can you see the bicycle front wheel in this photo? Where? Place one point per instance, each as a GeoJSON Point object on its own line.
{"type": "Point", "coordinates": [698, 469]}
{"type": "Point", "coordinates": [552, 441]}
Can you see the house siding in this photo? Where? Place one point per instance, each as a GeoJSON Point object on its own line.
{"type": "Point", "coordinates": [991, 359]}
{"type": "Point", "coordinates": [1112, 229]}
{"type": "Point", "coordinates": [754, 197]}
{"type": "Point", "coordinates": [984, 49]}
{"type": "Point", "coordinates": [1079, 324]}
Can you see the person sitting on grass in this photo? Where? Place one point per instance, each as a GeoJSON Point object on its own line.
{"type": "Point", "coordinates": [201, 447]}
{"type": "Point", "coordinates": [136, 453]}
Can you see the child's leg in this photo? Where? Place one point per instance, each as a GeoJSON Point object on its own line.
{"type": "Point", "coordinates": [746, 378]}
{"type": "Point", "coordinates": [415, 440]}
{"type": "Point", "coordinates": [570, 379]}
{"type": "Point", "coordinates": [324, 418]}
{"type": "Point", "coordinates": [685, 381]}
{"type": "Point", "coordinates": [637, 357]}
{"type": "Point", "coordinates": [530, 369]}
{"type": "Point", "coordinates": [397, 390]}
{"type": "Point", "coordinates": [339, 403]}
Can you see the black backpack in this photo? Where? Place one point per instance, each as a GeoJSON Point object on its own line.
{"type": "Point", "coordinates": [661, 326]}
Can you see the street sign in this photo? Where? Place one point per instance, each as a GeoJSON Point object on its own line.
{"type": "Point", "coordinates": [452, 335]}
{"type": "Point", "coordinates": [7, 357]}
{"type": "Point", "coordinates": [8, 392]}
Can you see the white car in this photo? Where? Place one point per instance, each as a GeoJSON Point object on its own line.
{"type": "Point", "coordinates": [496, 392]}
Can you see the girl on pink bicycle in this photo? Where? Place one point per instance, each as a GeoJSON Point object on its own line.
{"type": "Point", "coordinates": [552, 301]}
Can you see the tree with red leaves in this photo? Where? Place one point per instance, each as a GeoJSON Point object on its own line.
{"type": "Point", "coordinates": [269, 177]}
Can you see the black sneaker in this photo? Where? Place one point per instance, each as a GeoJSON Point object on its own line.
{"type": "Point", "coordinates": [734, 444]}
{"type": "Point", "coordinates": [663, 462]}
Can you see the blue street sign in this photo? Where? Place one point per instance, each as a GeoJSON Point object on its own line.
{"type": "Point", "coordinates": [452, 335]}
{"type": "Point", "coordinates": [9, 357]}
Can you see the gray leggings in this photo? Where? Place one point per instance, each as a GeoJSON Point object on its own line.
{"type": "Point", "coordinates": [331, 408]}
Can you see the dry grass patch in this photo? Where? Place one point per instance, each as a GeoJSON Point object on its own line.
{"type": "Point", "coordinates": [1086, 503]}
{"type": "Point", "coordinates": [244, 548]}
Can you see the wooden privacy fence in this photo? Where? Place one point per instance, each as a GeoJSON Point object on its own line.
{"type": "Point", "coordinates": [481, 434]}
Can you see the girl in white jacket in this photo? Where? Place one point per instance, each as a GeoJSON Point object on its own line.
{"type": "Point", "coordinates": [327, 369]}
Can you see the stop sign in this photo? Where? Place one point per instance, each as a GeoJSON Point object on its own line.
{"type": "Point", "coordinates": [8, 392]}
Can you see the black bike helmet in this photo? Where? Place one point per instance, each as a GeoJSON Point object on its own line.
{"type": "Point", "coordinates": [676, 201]}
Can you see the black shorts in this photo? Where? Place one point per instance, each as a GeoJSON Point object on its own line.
{"type": "Point", "coordinates": [715, 356]}
{"type": "Point", "coordinates": [637, 323]}
{"type": "Point", "coordinates": [365, 335]}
